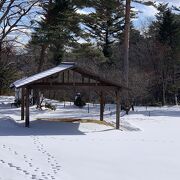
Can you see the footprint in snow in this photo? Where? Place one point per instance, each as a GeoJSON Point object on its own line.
{"type": "Point", "coordinates": [29, 163]}
{"type": "Point", "coordinates": [20, 169]}
{"type": "Point", "coordinates": [55, 167]}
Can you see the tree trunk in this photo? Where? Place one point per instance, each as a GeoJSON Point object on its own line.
{"type": "Point", "coordinates": [41, 58]}
{"type": "Point", "coordinates": [117, 109]}
{"type": "Point", "coordinates": [39, 69]}
{"type": "Point", "coordinates": [176, 99]}
{"type": "Point", "coordinates": [163, 94]}
{"type": "Point", "coordinates": [0, 68]}
{"type": "Point", "coordinates": [174, 82]}
{"type": "Point", "coordinates": [101, 106]}
{"type": "Point", "coordinates": [126, 50]}
{"type": "Point", "coordinates": [126, 42]}
{"type": "Point", "coordinates": [0, 51]}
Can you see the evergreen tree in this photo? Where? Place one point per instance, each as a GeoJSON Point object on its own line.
{"type": "Point", "coordinates": [105, 24]}
{"type": "Point", "coordinates": [165, 31]}
{"type": "Point", "coordinates": [58, 29]}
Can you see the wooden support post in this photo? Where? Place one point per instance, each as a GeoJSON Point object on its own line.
{"type": "Point", "coordinates": [27, 108]}
{"type": "Point", "coordinates": [22, 104]}
{"type": "Point", "coordinates": [101, 106]}
{"type": "Point", "coordinates": [117, 109]}
{"type": "Point", "coordinates": [88, 107]}
{"type": "Point", "coordinates": [68, 76]}
{"type": "Point", "coordinates": [82, 79]}
{"type": "Point", "coordinates": [63, 77]}
{"type": "Point", "coordinates": [73, 78]}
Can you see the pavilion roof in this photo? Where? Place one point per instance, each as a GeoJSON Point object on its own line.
{"type": "Point", "coordinates": [65, 66]}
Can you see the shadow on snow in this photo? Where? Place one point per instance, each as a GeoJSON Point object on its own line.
{"type": "Point", "coordinates": [8, 127]}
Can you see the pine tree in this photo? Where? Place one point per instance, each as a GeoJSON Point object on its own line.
{"type": "Point", "coordinates": [58, 29]}
{"type": "Point", "coordinates": [105, 24]}
{"type": "Point", "coordinates": [166, 33]}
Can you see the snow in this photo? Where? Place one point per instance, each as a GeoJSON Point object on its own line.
{"type": "Point", "coordinates": [41, 75]}
{"type": "Point", "coordinates": [146, 148]}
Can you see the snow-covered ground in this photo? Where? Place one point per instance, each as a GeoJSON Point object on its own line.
{"type": "Point", "coordinates": [146, 148]}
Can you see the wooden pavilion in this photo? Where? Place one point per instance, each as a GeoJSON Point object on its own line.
{"type": "Point", "coordinates": [66, 75]}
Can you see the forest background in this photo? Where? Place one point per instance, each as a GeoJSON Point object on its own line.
{"type": "Point", "coordinates": [38, 34]}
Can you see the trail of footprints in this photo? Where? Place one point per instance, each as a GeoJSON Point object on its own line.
{"type": "Point", "coordinates": [55, 167]}
{"type": "Point", "coordinates": [38, 173]}
{"type": "Point", "coordinates": [16, 167]}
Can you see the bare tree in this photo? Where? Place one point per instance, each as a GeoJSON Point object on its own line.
{"type": "Point", "coordinates": [15, 22]}
{"type": "Point", "coordinates": [14, 19]}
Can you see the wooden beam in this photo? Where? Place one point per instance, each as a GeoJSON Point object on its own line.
{"type": "Point", "coordinates": [27, 108]}
{"type": "Point", "coordinates": [117, 109]}
{"type": "Point", "coordinates": [22, 104]}
{"type": "Point", "coordinates": [56, 84]}
{"type": "Point", "coordinates": [101, 106]}
{"type": "Point", "coordinates": [91, 75]}
{"type": "Point", "coordinates": [69, 87]}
